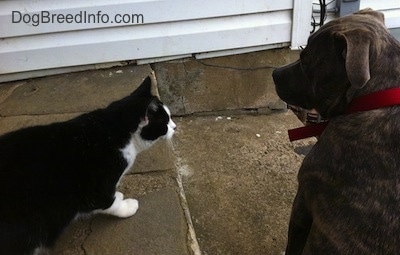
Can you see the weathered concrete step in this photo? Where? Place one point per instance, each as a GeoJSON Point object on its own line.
{"type": "Point", "coordinates": [159, 227]}
{"type": "Point", "coordinates": [239, 177]}
{"type": "Point", "coordinates": [70, 93]}
{"type": "Point", "coordinates": [218, 84]}
{"type": "Point", "coordinates": [239, 174]}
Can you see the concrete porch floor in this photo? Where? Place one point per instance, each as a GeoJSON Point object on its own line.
{"type": "Point", "coordinates": [224, 187]}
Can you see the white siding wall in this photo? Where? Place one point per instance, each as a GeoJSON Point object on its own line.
{"type": "Point", "coordinates": [391, 9]}
{"type": "Point", "coordinates": [171, 29]}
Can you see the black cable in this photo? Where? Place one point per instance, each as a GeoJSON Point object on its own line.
{"type": "Point", "coordinates": [313, 25]}
{"type": "Point", "coordinates": [323, 15]}
{"type": "Point", "coordinates": [323, 12]}
{"type": "Point", "coordinates": [235, 68]}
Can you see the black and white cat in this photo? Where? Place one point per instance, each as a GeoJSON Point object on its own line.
{"type": "Point", "coordinates": [50, 174]}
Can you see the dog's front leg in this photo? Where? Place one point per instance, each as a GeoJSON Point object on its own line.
{"type": "Point", "coordinates": [299, 226]}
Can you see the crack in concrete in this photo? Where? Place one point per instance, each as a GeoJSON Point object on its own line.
{"type": "Point", "coordinates": [9, 92]}
{"type": "Point", "coordinates": [183, 104]}
{"type": "Point", "coordinates": [186, 85]}
{"type": "Point", "coordinates": [82, 246]}
{"type": "Point", "coordinates": [157, 171]}
{"type": "Point", "coordinates": [184, 68]}
{"type": "Point", "coordinates": [234, 112]}
{"type": "Point", "coordinates": [192, 242]}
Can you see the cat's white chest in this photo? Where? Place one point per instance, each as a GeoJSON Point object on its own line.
{"type": "Point", "coordinates": [129, 153]}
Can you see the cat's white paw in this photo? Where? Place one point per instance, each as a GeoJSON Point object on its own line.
{"type": "Point", "coordinates": [119, 195]}
{"type": "Point", "coordinates": [121, 207]}
{"type": "Point", "coordinates": [129, 208]}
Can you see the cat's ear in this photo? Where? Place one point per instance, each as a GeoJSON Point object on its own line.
{"type": "Point", "coordinates": [152, 108]}
{"type": "Point", "coordinates": [144, 89]}
{"type": "Point", "coordinates": [151, 111]}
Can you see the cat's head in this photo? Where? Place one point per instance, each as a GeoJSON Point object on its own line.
{"type": "Point", "coordinates": [156, 122]}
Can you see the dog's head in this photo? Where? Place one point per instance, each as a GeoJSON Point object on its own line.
{"type": "Point", "coordinates": [334, 65]}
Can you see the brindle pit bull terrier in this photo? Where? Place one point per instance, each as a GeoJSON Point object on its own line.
{"type": "Point", "coordinates": [348, 199]}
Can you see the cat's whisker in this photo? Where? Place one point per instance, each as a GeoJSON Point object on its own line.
{"type": "Point", "coordinates": [171, 144]}
{"type": "Point", "coordinates": [169, 148]}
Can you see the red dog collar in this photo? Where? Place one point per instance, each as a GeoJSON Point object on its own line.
{"type": "Point", "coordinates": [368, 102]}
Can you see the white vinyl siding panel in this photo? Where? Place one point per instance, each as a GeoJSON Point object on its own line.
{"type": "Point", "coordinates": [154, 11]}
{"type": "Point", "coordinates": [171, 29]}
{"type": "Point", "coordinates": [390, 8]}
{"type": "Point", "coordinates": [140, 42]}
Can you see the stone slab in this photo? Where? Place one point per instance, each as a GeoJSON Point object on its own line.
{"type": "Point", "coordinates": [151, 231]}
{"type": "Point", "coordinates": [9, 124]}
{"type": "Point", "coordinates": [70, 93]}
{"type": "Point", "coordinates": [239, 177]}
{"type": "Point", "coordinates": [159, 226]}
{"type": "Point", "coordinates": [160, 157]}
{"type": "Point", "coordinates": [190, 86]}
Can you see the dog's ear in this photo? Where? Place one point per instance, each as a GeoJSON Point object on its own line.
{"type": "Point", "coordinates": [357, 50]}
{"type": "Point", "coordinates": [356, 54]}
{"type": "Point", "coordinates": [379, 16]}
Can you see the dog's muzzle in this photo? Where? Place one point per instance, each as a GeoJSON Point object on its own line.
{"type": "Point", "coordinates": [292, 85]}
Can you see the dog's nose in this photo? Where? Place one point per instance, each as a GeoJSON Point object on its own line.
{"type": "Point", "coordinates": [284, 75]}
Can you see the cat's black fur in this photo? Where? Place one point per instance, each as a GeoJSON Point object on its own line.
{"type": "Point", "coordinates": [50, 174]}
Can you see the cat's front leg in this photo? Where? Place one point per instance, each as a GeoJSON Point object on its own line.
{"type": "Point", "coordinates": [121, 207]}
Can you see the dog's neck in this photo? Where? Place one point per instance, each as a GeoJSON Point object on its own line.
{"type": "Point", "coordinates": [376, 100]}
